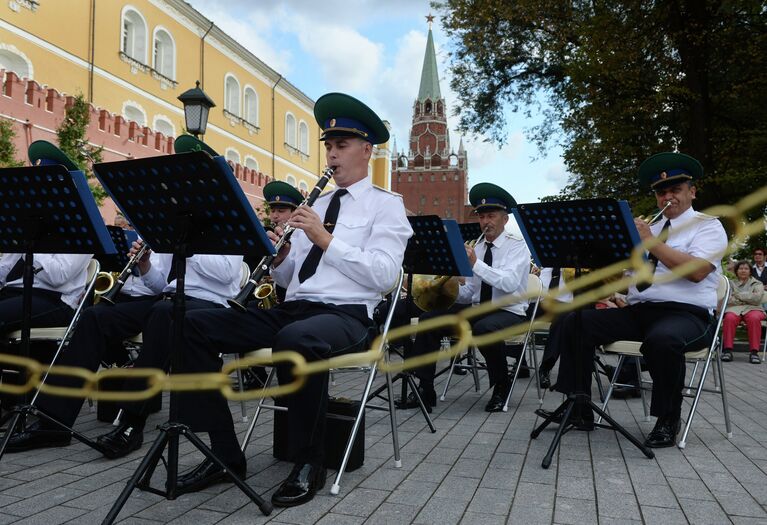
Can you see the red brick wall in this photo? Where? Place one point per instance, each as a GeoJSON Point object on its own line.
{"type": "Point", "coordinates": [37, 111]}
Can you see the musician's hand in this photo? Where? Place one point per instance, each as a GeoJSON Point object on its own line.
{"type": "Point", "coordinates": [470, 254]}
{"type": "Point", "coordinates": [643, 228]}
{"type": "Point", "coordinates": [275, 236]}
{"type": "Point", "coordinates": [143, 264]}
{"type": "Point", "coordinates": [306, 219]}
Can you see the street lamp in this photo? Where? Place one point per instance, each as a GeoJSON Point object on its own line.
{"type": "Point", "coordinates": [196, 107]}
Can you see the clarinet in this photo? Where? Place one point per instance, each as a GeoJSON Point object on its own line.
{"type": "Point", "coordinates": [110, 296]}
{"type": "Point", "coordinates": [241, 301]}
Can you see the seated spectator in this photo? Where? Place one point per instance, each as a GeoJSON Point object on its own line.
{"type": "Point", "coordinates": [744, 306]}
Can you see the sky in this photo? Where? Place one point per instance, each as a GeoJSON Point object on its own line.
{"type": "Point", "coordinates": [374, 51]}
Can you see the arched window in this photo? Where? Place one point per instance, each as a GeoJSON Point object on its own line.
{"type": "Point", "coordinates": [134, 34]}
{"type": "Point", "coordinates": [303, 137]}
{"type": "Point", "coordinates": [251, 106]}
{"type": "Point", "coordinates": [290, 179]}
{"type": "Point", "coordinates": [134, 112]}
{"type": "Point", "coordinates": [164, 56]}
{"type": "Point", "coordinates": [11, 59]}
{"type": "Point", "coordinates": [232, 95]}
{"type": "Point", "coordinates": [163, 125]}
{"type": "Point", "coordinates": [232, 155]}
{"type": "Point", "coordinates": [251, 163]}
{"type": "Point", "coordinates": [303, 186]}
{"type": "Point", "coordinates": [290, 129]}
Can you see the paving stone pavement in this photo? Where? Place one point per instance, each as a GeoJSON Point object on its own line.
{"type": "Point", "coordinates": [478, 468]}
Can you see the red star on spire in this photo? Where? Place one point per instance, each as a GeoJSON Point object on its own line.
{"type": "Point", "coordinates": [430, 19]}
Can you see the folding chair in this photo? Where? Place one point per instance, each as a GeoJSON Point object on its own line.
{"type": "Point", "coordinates": [706, 355]}
{"type": "Point", "coordinates": [365, 398]}
{"type": "Point", "coordinates": [534, 289]}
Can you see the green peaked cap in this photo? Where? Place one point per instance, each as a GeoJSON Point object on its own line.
{"type": "Point", "coordinates": [187, 143]}
{"type": "Point", "coordinates": [42, 152]}
{"type": "Point", "coordinates": [486, 196]}
{"type": "Point", "coordinates": [668, 168]}
{"type": "Point", "coordinates": [279, 193]}
{"type": "Point", "coordinates": [341, 115]}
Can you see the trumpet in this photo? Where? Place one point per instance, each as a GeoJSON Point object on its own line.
{"type": "Point", "coordinates": [438, 292]}
{"type": "Point", "coordinates": [241, 301]}
{"type": "Point", "coordinates": [109, 295]}
{"type": "Point", "coordinates": [651, 220]}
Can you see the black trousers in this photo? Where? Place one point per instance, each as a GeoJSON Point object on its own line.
{"type": "Point", "coordinates": [97, 338]}
{"type": "Point", "coordinates": [667, 330]}
{"type": "Point", "coordinates": [314, 330]}
{"type": "Point", "coordinates": [495, 354]}
{"type": "Point", "coordinates": [47, 309]}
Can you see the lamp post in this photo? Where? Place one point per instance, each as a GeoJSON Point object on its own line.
{"type": "Point", "coordinates": [196, 107]}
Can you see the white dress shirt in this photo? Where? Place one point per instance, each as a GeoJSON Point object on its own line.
{"type": "Point", "coordinates": [214, 278]}
{"type": "Point", "coordinates": [137, 286]}
{"type": "Point", "coordinates": [698, 235]}
{"type": "Point", "coordinates": [57, 272]}
{"type": "Point", "coordinates": [507, 275]}
{"type": "Point", "coordinates": [566, 297]}
{"type": "Point", "coordinates": [364, 258]}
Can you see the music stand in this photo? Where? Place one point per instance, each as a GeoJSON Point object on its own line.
{"type": "Point", "coordinates": [590, 233]}
{"type": "Point", "coordinates": [46, 209]}
{"type": "Point", "coordinates": [122, 239]}
{"type": "Point", "coordinates": [436, 248]}
{"type": "Point", "coordinates": [183, 204]}
{"type": "Point", "coordinates": [470, 231]}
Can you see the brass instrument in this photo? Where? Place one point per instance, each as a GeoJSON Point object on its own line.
{"type": "Point", "coordinates": [266, 295]}
{"type": "Point", "coordinates": [241, 301]}
{"type": "Point", "coordinates": [104, 282]}
{"type": "Point", "coordinates": [438, 292]}
{"type": "Point", "coordinates": [109, 295]}
{"type": "Point", "coordinates": [651, 220]}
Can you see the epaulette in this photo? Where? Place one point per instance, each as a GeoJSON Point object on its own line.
{"type": "Point", "coordinates": [705, 217]}
{"type": "Point", "coordinates": [514, 236]}
{"type": "Point", "coordinates": [387, 191]}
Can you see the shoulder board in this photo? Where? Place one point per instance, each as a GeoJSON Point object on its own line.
{"type": "Point", "coordinates": [514, 236]}
{"type": "Point", "coordinates": [705, 217]}
{"type": "Point", "coordinates": [387, 191]}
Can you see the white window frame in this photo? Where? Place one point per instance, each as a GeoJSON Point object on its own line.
{"type": "Point", "coordinates": [136, 49]}
{"type": "Point", "coordinates": [13, 53]}
{"type": "Point", "coordinates": [133, 105]}
{"type": "Point", "coordinates": [166, 71]}
{"type": "Point", "coordinates": [290, 135]}
{"type": "Point", "coordinates": [290, 179]}
{"type": "Point", "coordinates": [250, 109]}
{"type": "Point", "coordinates": [232, 155]}
{"type": "Point", "coordinates": [227, 95]}
{"type": "Point", "coordinates": [303, 137]}
{"type": "Point", "coordinates": [249, 159]}
{"type": "Point", "coordinates": [165, 120]}
{"type": "Point", "coordinates": [303, 186]}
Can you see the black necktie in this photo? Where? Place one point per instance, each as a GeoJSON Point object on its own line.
{"type": "Point", "coordinates": [556, 275]}
{"type": "Point", "coordinates": [486, 291]}
{"type": "Point", "coordinates": [653, 260]}
{"type": "Point", "coordinates": [17, 272]}
{"type": "Point", "coordinates": [172, 272]}
{"type": "Point", "coordinates": [315, 254]}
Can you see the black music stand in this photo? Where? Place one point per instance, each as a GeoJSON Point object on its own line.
{"type": "Point", "coordinates": [122, 239]}
{"type": "Point", "coordinates": [578, 234]}
{"type": "Point", "coordinates": [436, 248]}
{"type": "Point", "coordinates": [46, 209]}
{"type": "Point", "coordinates": [470, 231]}
{"type": "Point", "coordinates": [183, 204]}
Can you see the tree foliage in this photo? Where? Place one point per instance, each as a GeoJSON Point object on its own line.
{"type": "Point", "coordinates": [74, 143]}
{"type": "Point", "coordinates": [7, 147]}
{"type": "Point", "coordinates": [618, 81]}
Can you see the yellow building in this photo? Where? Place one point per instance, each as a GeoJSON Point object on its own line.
{"type": "Point", "coordinates": [134, 59]}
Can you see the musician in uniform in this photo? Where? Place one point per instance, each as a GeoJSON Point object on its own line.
{"type": "Point", "coordinates": [346, 252]}
{"type": "Point", "coordinates": [282, 199]}
{"type": "Point", "coordinates": [670, 318]}
{"type": "Point", "coordinates": [210, 280]}
{"type": "Point", "coordinates": [501, 264]}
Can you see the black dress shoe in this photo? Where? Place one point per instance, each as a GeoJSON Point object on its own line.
{"type": "Point", "coordinates": [544, 378]}
{"type": "Point", "coordinates": [664, 433]}
{"type": "Point", "coordinates": [253, 378]}
{"type": "Point", "coordinates": [500, 391]}
{"type": "Point", "coordinates": [579, 421]}
{"type": "Point", "coordinates": [301, 485]}
{"type": "Point", "coordinates": [428, 396]}
{"type": "Point", "coordinates": [35, 436]}
{"type": "Point", "coordinates": [206, 474]}
{"type": "Point", "coordinates": [626, 391]}
{"type": "Point", "coordinates": [121, 441]}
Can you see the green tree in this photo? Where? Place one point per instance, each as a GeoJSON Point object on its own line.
{"type": "Point", "coordinates": [618, 81]}
{"type": "Point", "coordinates": [74, 143]}
{"type": "Point", "coordinates": [7, 147]}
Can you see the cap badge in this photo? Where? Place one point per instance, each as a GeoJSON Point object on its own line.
{"type": "Point", "coordinates": [332, 123]}
{"type": "Point", "coordinates": [663, 175]}
{"type": "Point", "coordinates": [276, 197]}
{"type": "Point", "coordinates": [483, 201]}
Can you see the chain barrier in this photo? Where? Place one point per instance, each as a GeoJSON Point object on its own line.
{"type": "Point", "coordinates": [587, 289]}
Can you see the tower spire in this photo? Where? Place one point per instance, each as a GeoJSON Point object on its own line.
{"type": "Point", "coordinates": [429, 75]}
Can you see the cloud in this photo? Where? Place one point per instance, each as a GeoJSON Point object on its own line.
{"type": "Point", "coordinates": [556, 174]}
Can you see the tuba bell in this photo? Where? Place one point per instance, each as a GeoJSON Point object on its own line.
{"type": "Point", "coordinates": [104, 282]}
